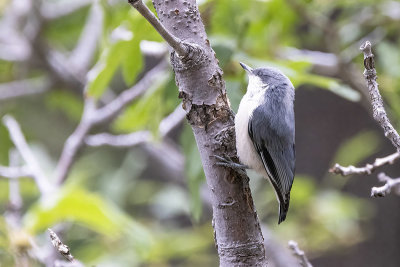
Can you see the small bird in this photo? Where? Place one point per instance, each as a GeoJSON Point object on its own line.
{"type": "Point", "coordinates": [265, 130]}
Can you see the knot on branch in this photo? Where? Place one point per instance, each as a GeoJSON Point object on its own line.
{"type": "Point", "coordinates": [370, 74]}
{"type": "Point", "coordinates": [193, 58]}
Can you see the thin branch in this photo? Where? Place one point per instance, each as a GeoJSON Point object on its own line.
{"type": "Point", "coordinates": [61, 248]}
{"type": "Point", "coordinates": [299, 254]}
{"type": "Point", "coordinates": [58, 9]}
{"type": "Point", "coordinates": [15, 172]}
{"type": "Point", "coordinates": [180, 47]}
{"type": "Point", "coordinates": [118, 104]}
{"type": "Point", "coordinates": [20, 143]}
{"type": "Point", "coordinates": [14, 46]}
{"type": "Point", "coordinates": [168, 124]}
{"type": "Point", "coordinates": [57, 63]}
{"type": "Point", "coordinates": [367, 169]}
{"type": "Point", "coordinates": [14, 207]}
{"type": "Point", "coordinates": [378, 109]}
{"type": "Point", "coordinates": [92, 117]}
{"type": "Point", "coordinates": [22, 88]}
{"type": "Point", "coordinates": [15, 199]}
{"type": "Point", "coordinates": [123, 140]}
{"type": "Point", "coordinates": [390, 183]}
{"type": "Point", "coordinates": [75, 141]}
{"type": "Point", "coordinates": [84, 51]}
{"type": "Point", "coordinates": [172, 121]}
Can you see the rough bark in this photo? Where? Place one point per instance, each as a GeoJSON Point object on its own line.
{"type": "Point", "coordinates": [238, 236]}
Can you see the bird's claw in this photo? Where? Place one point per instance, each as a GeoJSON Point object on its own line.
{"type": "Point", "coordinates": [227, 162]}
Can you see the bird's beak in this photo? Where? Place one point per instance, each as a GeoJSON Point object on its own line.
{"type": "Point", "coordinates": [246, 68]}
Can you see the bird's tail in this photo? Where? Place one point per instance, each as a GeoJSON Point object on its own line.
{"type": "Point", "coordinates": [283, 209]}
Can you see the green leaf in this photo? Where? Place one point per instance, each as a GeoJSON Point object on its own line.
{"type": "Point", "coordinates": [132, 62]}
{"type": "Point", "coordinates": [148, 111]}
{"type": "Point", "coordinates": [180, 244]}
{"type": "Point", "coordinates": [101, 74]}
{"type": "Point", "coordinates": [75, 204]}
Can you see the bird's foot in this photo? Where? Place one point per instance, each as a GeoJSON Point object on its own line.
{"type": "Point", "coordinates": [227, 162]}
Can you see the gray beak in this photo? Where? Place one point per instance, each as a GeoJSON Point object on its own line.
{"type": "Point", "coordinates": [246, 68]}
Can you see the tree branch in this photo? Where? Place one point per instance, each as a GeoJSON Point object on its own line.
{"type": "Point", "coordinates": [390, 183]}
{"type": "Point", "coordinates": [75, 141]}
{"type": "Point", "coordinates": [14, 172]}
{"type": "Point", "coordinates": [20, 143]}
{"type": "Point", "coordinates": [367, 169]}
{"type": "Point", "coordinates": [119, 103]}
{"type": "Point", "coordinates": [180, 47]}
{"type": "Point", "coordinates": [84, 51]}
{"type": "Point", "coordinates": [168, 124]}
{"type": "Point", "coordinates": [379, 112]}
{"type": "Point", "coordinates": [58, 9]}
{"type": "Point", "coordinates": [63, 249]}
{"type": "Point", "coordinates": [21, 88]}
{"type": "Point", "coordinates": [92, 116]}
{"type": "Point", "coordinates": [172, 121]}
{"type": "Point", "coordinates": [237, 232]}
{"type": "Point", "coordinates": [299, 254]}
{"type": "Point", "coordinates": [123, 140]}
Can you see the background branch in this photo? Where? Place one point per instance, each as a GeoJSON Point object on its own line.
{"type": "Point", "coordinates": [390, 183]}
{"type": "Point", "coordinates": [22, 88]}
{"type": "Point", "coordinates": [93, 116]}
{"type": "Point", "coordinates": [174, 42]}
{"type": "Point", "coordinates": [299, 254]}
{"type": "Point", "coordinates": [379, 112]}
{"type": "Point", "coordinates": [20, 143]}
{"type": "Point", "coordinates": [367, 169]}
{"type": "Point", "coordinates": [63, 250]}
{"type": "Point", "coordinates": [15, 172]}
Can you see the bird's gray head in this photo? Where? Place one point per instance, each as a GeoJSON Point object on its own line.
{"type": "Point", "coordinates": [262, 78]}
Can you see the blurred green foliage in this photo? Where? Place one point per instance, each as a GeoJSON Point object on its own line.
{"type": "Point", "coordinates": [115, 211]}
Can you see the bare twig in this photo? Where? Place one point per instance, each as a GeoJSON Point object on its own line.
{"type": "Point", "coordinates": [390, 183]}
{"type": "Point", "coordinates": [62, 249]}
{"type": "Point", "coordinates": [13, 45]}
{"type": "Point", "coordinates": [367, 169]}
{"type": "Point", "coordinates": [13, 211]}
{"type": "Point", "coordinates": [75, 141]}
{"type": "Point", "coordinates": [23, 88]}
{"type": "Point", "coordinates": [14, 193]}
{"type": "Point", "coordinates": [15, 172]}
{"type": "Point", "coordinates": [299, 254]}
{"type": "Point", "coordinates": [58, 9]}
{"type": "Point", "coordinates": [136, 138]}
{"type": "Point", "coordinates": [379, 112]}
{"type": "Point", "coordinates": [93, 116]}
{"type": "Point", "coordinates": [118, 104]}
{"type": "Point", "coordinates": [172, 121]}
{"type": "Point", "coordinates": [19, 141]}
{"type": "Point", "coordinates": [123, 140]}
{"type": "Point", "coordinates": [180, 47]}
{"type": "Point", "coordinates": [84, 51]}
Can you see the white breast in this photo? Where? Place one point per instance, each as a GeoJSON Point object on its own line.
{"type": "Point", "coordinates": [245, 148]}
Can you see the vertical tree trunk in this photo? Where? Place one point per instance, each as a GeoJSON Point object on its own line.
{"type": "Point", "coordinates": [237, 230]}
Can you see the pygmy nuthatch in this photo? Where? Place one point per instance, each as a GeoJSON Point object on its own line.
{"type": "Point", "coordinates": [264, 128]}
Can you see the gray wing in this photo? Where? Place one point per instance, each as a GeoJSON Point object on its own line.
{"type": "Point", "coordinates": [273, 139]}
